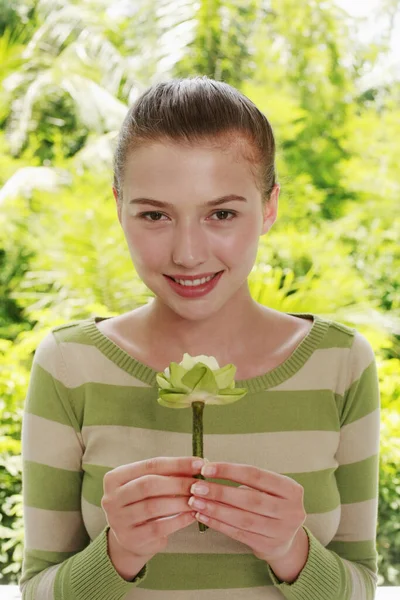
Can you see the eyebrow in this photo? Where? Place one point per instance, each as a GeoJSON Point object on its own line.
{"type": "Point", "coordinates": [215, 202]}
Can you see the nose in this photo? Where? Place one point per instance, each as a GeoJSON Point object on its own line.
{"type": "Point", "coordinates": [190, 247]}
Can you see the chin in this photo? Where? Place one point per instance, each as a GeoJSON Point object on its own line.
{"type": "Point", "coordinates": [189, 311]}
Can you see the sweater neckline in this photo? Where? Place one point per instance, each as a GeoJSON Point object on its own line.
{"type": "Point", "coordinates": [271, 378]}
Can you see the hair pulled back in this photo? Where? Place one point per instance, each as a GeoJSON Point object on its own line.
{"type": "Point", "coordinates": [198, 110]}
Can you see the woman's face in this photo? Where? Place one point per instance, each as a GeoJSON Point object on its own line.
{"type": "Point", "coordinates": [177, 232]}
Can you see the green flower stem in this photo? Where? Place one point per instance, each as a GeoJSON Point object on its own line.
{"type": "Point", "coordinates": [197, 441]}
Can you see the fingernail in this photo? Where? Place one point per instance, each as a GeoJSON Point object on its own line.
{"type": "Point", "coordinates": [208, 471]}
{"type": "Point", "coordinates": [199, 489]}
{"type": "Point", "coordinates": [197, 464]}
{"type": "Point", "coordinates": [196, 503]}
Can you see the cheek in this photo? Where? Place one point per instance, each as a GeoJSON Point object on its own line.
{"type": "Point", "coordinates": [240, 242]}
{"type": "Point", "coordinates": [147, 250]}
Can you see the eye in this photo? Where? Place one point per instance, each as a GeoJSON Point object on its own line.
{"type": "Point", "coordinates": [224, 213]}
{"type": "Point", "coordinates": [151, 213]}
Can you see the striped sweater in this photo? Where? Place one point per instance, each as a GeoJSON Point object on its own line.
{"type": "Point", "coordinates": [91, 407]}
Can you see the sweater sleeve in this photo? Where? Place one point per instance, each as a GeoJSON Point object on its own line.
{"type": "Point", "coordinates": [346, 569]}
{"type": "Point", "coordinates": [60, 562]}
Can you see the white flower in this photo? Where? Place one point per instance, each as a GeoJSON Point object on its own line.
{"type": "Point", "coordinates": [189, 362]}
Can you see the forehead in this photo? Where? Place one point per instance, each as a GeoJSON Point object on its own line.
{"type": "Point", "coordinates": [178, 164]}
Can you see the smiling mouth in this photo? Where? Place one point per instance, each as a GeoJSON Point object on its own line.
{"type": "Point", "coordinates": [194, 282]}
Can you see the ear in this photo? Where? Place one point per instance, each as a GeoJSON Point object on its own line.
{"type": "Point", "coordinates": [270, 210]}
{"type": "Point", "coordinates": [116, 201]}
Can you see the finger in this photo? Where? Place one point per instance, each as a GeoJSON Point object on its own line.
{"type": "Point", "coordinates": [254, 540]}
{"type": "Point", "coordinates": [259, 479]}
{"type": "Point", "coordinates": [249, 500]}
{"type": "Point", "coordinates": [154, 508]}
{"type": "Point", "coordinates": [151, 486]}
{"type": "Point", "coordinates": [149, 532]}
{"type": "Point", "coordinates": [160, 465]}
{"type": "Point", "coordinates": [245, 520]}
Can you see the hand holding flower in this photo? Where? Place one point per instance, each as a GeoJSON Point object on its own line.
{"type": "Point", "coordinates": [265, 513]}
{"type": "Point", "coordinates": [194, 382]}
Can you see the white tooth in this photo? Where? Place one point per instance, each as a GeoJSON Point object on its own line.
{"type": "Point", "coordinates": [188, 282]}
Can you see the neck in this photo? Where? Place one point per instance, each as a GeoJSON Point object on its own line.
{"type": "Point", "coordinates": [220, 335]}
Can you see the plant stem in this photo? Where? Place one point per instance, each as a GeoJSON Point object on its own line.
{"type": "Point", "coordinates": [197, 441]}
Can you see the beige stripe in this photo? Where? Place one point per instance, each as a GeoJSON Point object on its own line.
{"type": "Point", "coordinates": [359, 440]}
{"type": "Point", "coordinates": [329, 368]}
{"type": "Point", "coordinates": [362, 356]}
{"type": "Point", "coordinates": [322, 371]}
{"type": "Point", "coordinates": [45, 587]}
{"type": "Point", "coordinates": [324, 525]}
{"type": "Point", "coordinates": [54, 530]}
{"type": "Point", "coordinates": [83, 364]}
{"type": "Point", "coordinates": [358, 591]}
{"type": "Point", "coordinates": [285, 452]}
{"type": "Point", "coordinates": [255, 593]}
{"type": "Point", "coordinates": [187, 540]}
{"type": "Point", "coordinates": [358, 521]}
{"type": "Point", "coordinates": [50, 443]}
{"type": "Point", "coordinates": [47, 355]}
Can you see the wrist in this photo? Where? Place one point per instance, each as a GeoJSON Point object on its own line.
{"type": "Point", "coordinates": [126, 564]}
{"type": "Point", "coordinates": [288, 568]}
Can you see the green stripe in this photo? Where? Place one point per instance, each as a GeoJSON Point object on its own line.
{"type": "Point", "coordinates": [308, 410]}
{"type": "Point", "coordinates": [367, 388]}
{"type": "Point", "coordinates": [338, 336]}
{"type": "Point", "coordinates": [205, 571]}
{"type": "Point", "coordinates": [359, 481]}
{"type": "Point", "coordinates": [364, 552]}
{"type": "Point", "coordinates": [257, 412]}
{"type": "Point", "coordinates": [185, 570]}
{"type": "Point", "coordinates": [49, 398]}
{"type": "Point", "coordinates": [320, 493]}
{"type": "Point", "coordinates": [51, 488]}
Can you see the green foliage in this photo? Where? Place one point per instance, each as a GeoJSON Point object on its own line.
{"type": "Point", "coordinates": [334, 249]}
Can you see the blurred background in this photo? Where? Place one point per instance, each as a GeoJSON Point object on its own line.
{"type": "Point", "coordinates": [326, 73]}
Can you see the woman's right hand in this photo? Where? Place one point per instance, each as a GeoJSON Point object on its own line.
{"type": "Point", "coordinates": [146, 501]}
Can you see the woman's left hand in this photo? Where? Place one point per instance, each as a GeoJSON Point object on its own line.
{"type": "Point", "coordinates": [265, 512]}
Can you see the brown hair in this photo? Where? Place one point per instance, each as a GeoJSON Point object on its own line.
{"type": "Point", "coordinates": [198, 110]}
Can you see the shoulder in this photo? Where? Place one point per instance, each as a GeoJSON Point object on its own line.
{"type": "Point", "coordinates": [346, 336]}
{"type": "Point", "coordinates": [49, 350]}
{"type": "Point", "coordinates": [358, 349]}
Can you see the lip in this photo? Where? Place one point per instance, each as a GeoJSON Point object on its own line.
{"type": "Point", "coordinates": [195, 291]}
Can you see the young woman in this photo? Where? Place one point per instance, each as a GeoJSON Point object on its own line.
{"type": "Point", "coordinates": [109, 504]}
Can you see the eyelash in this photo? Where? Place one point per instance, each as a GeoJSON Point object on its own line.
{"type": "Point", "coordinates": [143, 215]}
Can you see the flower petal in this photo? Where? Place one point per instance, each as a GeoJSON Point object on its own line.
{"type": "Point", "coordinates": [173, 400]}
{"type": "Point", "coordinates": [201, 379]}
{"type": "Point", "coordinates": [177, 374]}
{"type": "Point", "coordinates": [225, 376]}
{"type": "Point", "coordinates": [228, 396]}
{"type": "Point", "coordinates": [163, 381]}
{"type": "Point", "coordinates": [189, 362]}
